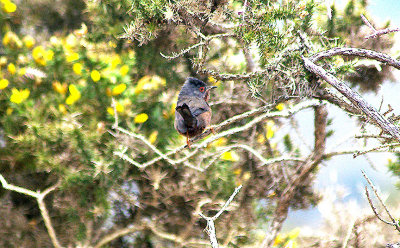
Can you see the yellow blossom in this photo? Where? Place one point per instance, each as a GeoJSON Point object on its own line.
{"type": "Point", "coordinates": [118, 89]}
{"type": "Point", "coordinates": [219, 142]}
{"type": "Point", "coordinates": [38, 54]}
{"type": "Point", "coordinates": [77, 68]}
{"type": "Point", "coordinates": [149, 83]}
{"type": "Point", "coordinates": [54, 41]}
{"type": "Point", "coordinates": [280, 106]}
{"type": "Point", "coordinates": [3, 83]}
{"type": "Point", "coordinates": [71, 41]}
{"type": "Point", "coordinates": [11, 39]}
{"type": "Point", "coordinates": [3, 61]}
{"type": "Point", "coordinates": [112, 44]}
{"type": "Point", "coordinates": [62, 108]}
{"type": "Point", "coordinates": [261, 138]}
{"type": "Point", "coordinates": [124, 70]}
{"type": "Point", "coordinates": [237, 171]}
{"type": "Point", "coordinates": [141, 118]}
{"type": "Point", "coordinates": [153, 137]}
{"type": "Point", "coordinates": [60, 88]}
{"type": "Point", "coordinates": [82, 31]}
{"type": "Point", "coordinates": [72, 57]}
{"type": "Point", "coordinates": [19, 96]}
{"type": "Point", "coordinates": [11, 68]}
{"type": "Point", "coordinates": [9, 6]}
{"type": "Point", "coordinates": [9, 111]}
{"type": "Point", "coordinates": [115, 60]}
{"type": "Point", "coordinates": [271, 128]}
{"type": "Point", "coordinates": [118, 106]}
{"type": "Point", "coordinates": [279, 239]}
{"type": "Point", "coordinates": [74, 95]}
{"type": "Point", "coordinates": [29, 41]}
{"type": "Point", "coordinates": [230, 156]}
{"type": "Point", "coordinates": [49, 55]}
{"type": "Point", "coordinates": [95, 75]}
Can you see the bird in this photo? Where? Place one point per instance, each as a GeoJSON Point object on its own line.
{"type": "Point", "coordinates": [193, 114]}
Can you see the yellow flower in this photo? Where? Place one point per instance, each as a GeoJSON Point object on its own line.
{"type": "Point", "coordinates": [82, 31]}
{"type": "Point", "coordinates": [71, 41]}
{"type": "Point", "coordinates": [149, 83]}
{"type": "Point", "coordinates": [49, 55]}
{"type": "Point", "coordinates": [271, 128]}
{"type": "Point", "coordinates": [278, 240]}
{"type": "Point", "coordinates": [95, 75]}
{"type": "Point", "coordinates": [9, 111]}
{"type": "Point", "coordinates": [153, 137]}
{"type": "Point", "coordinates": [74, 95]}
{"type": "Point", "coordinates": [115, 60]}
{"type": "Point", "coordinates": [3, 83]}
{"type": "Point", "coordinates": [9, 6]}
{"type": "Point", "coordinates": [38, 54]}
{"type": "Point", "coordinates": [60, 88]}
{"type": "Point", "coordinates": [118, 89]}
{"type": "Point", "coordinates": [3, 61]}
{"type": "Point", "coordinates": [62, 108]}
{"type": "Point", "coordinates": [261, 138]}
{"type": "Point", "coordinates": [11, 39]}
{"type": "Point", "coordinates": [72, 56]}
{"type": "Point", "coordinates": [219, 142]}
{"type": "Point", "coordinates": [19, 96]}
{"type": "Point", "coordinates": [124, 70]}
{"type": "Point", "coordinates": [77, 68]}
{"type": "Point", "coordinates": [280, 106]}
{"type": "Point", "coordinates": [54, 41]}
{"type": "Point", "coordinates": [141, 118]}
{"type": "Point", "coordinates": [29, 41]}
{"type": "Point", "coordinates": [11, 68]}
{"type": "Point", "coordinates": [118, 106]}
{"type": "Point", "coordinates": [230, 156]}
{"type": "Point", "coordinates": [112, 44]}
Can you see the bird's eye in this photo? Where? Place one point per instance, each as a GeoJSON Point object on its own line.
{"type": "Point", "coordinates": [201, 89]}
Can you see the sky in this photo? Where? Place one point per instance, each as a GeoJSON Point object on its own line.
{"type": "Point", "coordinates": [345, 171]}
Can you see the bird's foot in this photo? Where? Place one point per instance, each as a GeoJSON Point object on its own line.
{"type": "Point", "coordinates": [188, 141]}
{"type": "Point", "coordinates": [212, 130]}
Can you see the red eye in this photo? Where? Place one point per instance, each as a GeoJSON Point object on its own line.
{"type": "Point", "coordinates": [201, 89]}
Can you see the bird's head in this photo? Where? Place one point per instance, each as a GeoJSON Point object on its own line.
{"type": "Point", "coordinates": [196, 87]}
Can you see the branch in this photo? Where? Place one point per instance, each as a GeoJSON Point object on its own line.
{"type": "Point", "coordinates": [118, 233]}
{"type": "Point", "coordinates": [197, 147]}
{"type": "Point", "coordinates": [393, 221]}
{"type": "Point", "coordinates": [353, 96]}
{"type": "Point", "coordinates": [42, 206]}
{"type": "Point", "coordinates": [377, 33]}
{"type": "Point", "coordinates": [364, 53]}
{"type": "Point", "coordinates": [210, 229]}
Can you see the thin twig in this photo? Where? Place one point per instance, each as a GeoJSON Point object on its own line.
{"type": "Point", "coordinates": [394, 222]}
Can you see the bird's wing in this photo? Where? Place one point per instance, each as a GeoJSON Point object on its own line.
{"type": "Point", "coordinates": [196, 105]}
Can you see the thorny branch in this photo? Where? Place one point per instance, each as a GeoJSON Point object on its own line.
{"type": "Point", "coordinates": [353, 96]}
{"type": "Point", "coordinates": [377, 33]}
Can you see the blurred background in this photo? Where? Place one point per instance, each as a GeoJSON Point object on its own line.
{"type": "Point", "coordinates": [71, 69]}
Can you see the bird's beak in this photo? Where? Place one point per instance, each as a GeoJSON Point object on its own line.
{"type": "Point", "coordinates": [210, 87]}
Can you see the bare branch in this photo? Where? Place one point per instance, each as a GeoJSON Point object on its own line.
{"type": "Point", "coordinates": [353, 96]}
{"type": "Point", "coordinates": [210, 229]}
{"type": "Point", "coordinates": [42, 206]}
{"type": "Point", "coordinates": [393, 220]}
{"type": "Point", "coordinates": [118, 233]}
{"type": "Point", "coordinates": [377, 33]}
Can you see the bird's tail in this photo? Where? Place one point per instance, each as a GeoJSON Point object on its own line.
{"type": "Point", "coordinates": [187, 116]}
